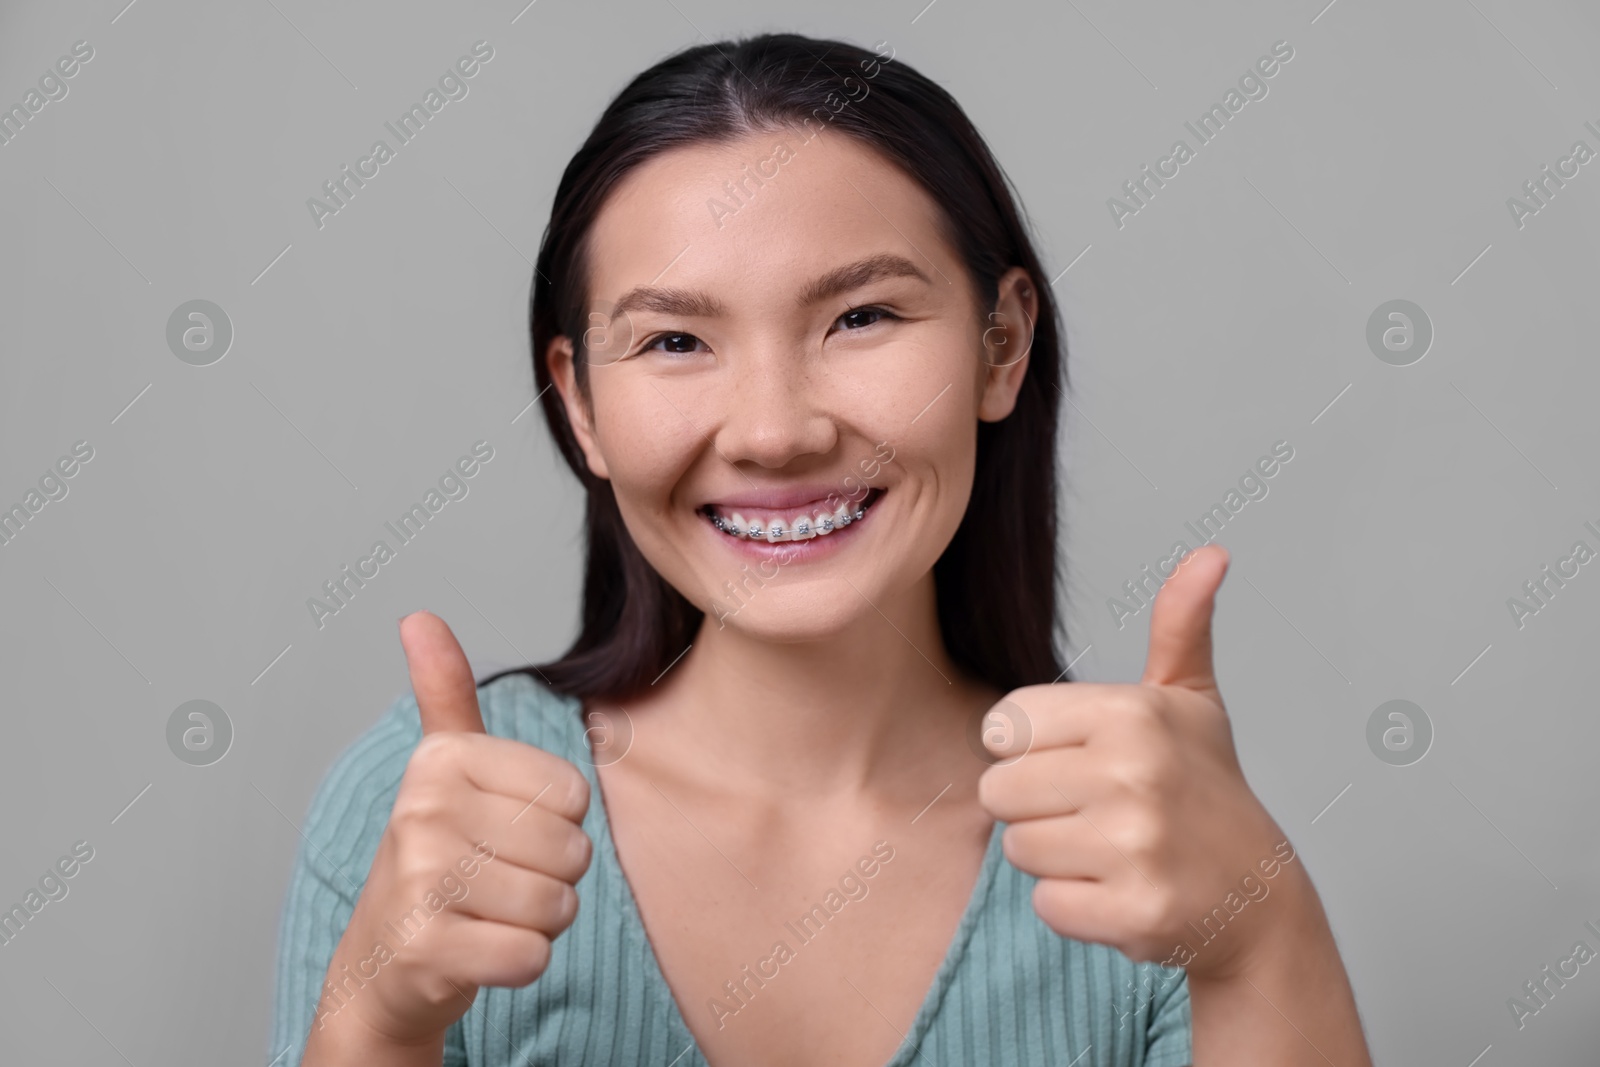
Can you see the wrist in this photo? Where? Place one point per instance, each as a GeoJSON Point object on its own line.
{"type": "Point", "coordinates": [1284, 998]}
{"type": "Point", "coordinates": [342, 1037]}
{"type": "Point", "coordinates": [351, 1018]}
{"type": "Point", "coordinates": [1287, 925]}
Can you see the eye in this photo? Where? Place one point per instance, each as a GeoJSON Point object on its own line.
{"type": "Point", "coordinates": [680, 344]}
{"type": "Point", "coordinates": [855, 315]}
{"type": "Point", "coordinates": [674, 339]}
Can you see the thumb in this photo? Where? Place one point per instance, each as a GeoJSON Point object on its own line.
{"type": "Point", "coordinates": [1180, 622]}
{"type": "Point", "coordinates": [441, 677]}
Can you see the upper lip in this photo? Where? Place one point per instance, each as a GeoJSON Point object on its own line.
{"type": "Point", "coordinates": [796, 497]}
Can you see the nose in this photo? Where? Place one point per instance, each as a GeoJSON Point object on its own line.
{"type": "Point", "coordinates": [773, 411]}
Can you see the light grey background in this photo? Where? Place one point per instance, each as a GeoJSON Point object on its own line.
{"type": "Point", "coordinates": [1229, 313]}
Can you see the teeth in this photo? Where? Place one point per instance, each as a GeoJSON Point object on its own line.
{"type": "Point", "coordinates": [799, 526]}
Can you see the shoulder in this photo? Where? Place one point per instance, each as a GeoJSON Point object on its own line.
{"type": "Point", "coordinates": [352, 804]}
{"type": "Point", "coordinates": [521, 707]}
{"type": "Point", "coordinates": [513, 705]}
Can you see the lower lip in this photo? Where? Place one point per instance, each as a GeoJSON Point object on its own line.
{"type": "Point", "coordinates": [783, 552]}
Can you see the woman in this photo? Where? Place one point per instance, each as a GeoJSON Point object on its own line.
{"type": "Point", "coordinates": [812, 767]}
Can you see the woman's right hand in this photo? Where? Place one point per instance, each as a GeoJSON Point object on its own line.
{"type": "Point", "coordinates": [504, 810]}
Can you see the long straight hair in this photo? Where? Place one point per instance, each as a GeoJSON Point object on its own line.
{"type": "Point", "coordinates": [997, 580]}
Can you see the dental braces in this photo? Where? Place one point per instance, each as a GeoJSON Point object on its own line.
{"type": "Point", "coordinates": [802, 528]}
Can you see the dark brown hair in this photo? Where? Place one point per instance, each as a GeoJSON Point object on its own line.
{"type": "Point", "coordinates": [997, 579]}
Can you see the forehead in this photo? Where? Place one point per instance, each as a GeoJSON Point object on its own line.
{"type": "Point", "coordinates": [759, 217]}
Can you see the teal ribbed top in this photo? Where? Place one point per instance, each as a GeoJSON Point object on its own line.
{"type": "Point", "coordinates": [1010, 992]}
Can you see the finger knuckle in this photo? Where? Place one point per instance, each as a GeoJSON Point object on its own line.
{"type": "Point", "coordinates": [531, 961]}
{"type": "Point", "coordinates": [576, 786]}
{"type": "Point", "coordinates": [417, 868]}
{"type": "Point", "coordinates": [1140, 708]}
{"type": "Point", "coordinates": [994, 789]}
{"type": "Point", "coordinates": [420, 804]}
{"type": "Point", "coordinates": [559, 907]}
{"type": "Point", "coordinates": [579, 849]}
{"type": "Point", "coordinates": [1140, 836]}
{"type": "Point", "coordinates": [439, 753]}
{"type": "Point", "coordinates": [1158, 909]}
{"type": "Point", "coordinates": [1053, 905]}
{"type": "Point", "coordinates": [1136, 775]}
{"type": "Point", "coordinates": [1021, 842]}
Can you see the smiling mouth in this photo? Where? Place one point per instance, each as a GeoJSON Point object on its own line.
{"type": "Point", "coordinates": [801, 525]}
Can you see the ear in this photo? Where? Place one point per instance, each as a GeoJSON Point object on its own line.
{"type": "Point", "coordinates": [564, 374]}
{"type": "Point", "coordinates": [1007, 344]}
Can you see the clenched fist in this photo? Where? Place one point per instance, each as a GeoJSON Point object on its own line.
{"type": "Point", "coordinates": [509, 813]}
{"type": "Point", "coordinates": [1130, 806]}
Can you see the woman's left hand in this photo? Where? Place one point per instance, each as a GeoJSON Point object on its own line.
{"type": "Point", "coordinates": [1129, 804]}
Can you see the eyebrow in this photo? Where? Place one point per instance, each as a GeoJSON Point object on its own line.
{"type": "Point", "coordinates": [698, 304]}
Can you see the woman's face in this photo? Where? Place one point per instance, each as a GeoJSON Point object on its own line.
{"type": "Point", "coordinates": [781, 336]}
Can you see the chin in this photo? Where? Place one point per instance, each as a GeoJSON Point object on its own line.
{"type": "Point", "coordinates": [790, 616]}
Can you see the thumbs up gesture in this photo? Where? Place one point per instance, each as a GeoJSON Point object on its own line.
{"type": "Point", "coordinates": [1129, 805]}
{"type": "Point", "coordinates": [506, 811]}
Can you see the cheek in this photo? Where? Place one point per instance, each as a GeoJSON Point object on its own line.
{"type": "Point", "coordinates": [932, 471]}
{"type": "Point", "coordinates": [646, 442]}
{"type": "Point", "coordinates": [941, 443]}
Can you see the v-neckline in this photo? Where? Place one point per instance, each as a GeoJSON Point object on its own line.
{"type": "Point", "coordinates": [606, 855]}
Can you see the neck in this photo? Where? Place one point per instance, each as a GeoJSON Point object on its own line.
{"type": "Point", "coordinates": [876, 708]}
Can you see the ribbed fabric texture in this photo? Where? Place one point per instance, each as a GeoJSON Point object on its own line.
{"type": "Point", "coordinates": [1010, 992]}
